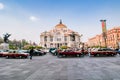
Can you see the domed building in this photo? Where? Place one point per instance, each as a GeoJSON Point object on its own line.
{"type": "Point", "coordinates": [60, 35]}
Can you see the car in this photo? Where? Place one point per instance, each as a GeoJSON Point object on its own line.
{"type": "Point", "coordinates": [2, 52]}
{"type": "Point", "coordinates": [103, 52]}
{"type": "Point", "coordinates": [118, 51]}
{"type": "Point", "coordinates": [16, 54]}
{"type": "Point", "coordinates": [43, 52]}
{"type": "Point", "coordinates": [38, 53]}
{"type": "Point", "coordinates": [53, 51]}
{"type": "Point", "coordinates": [67, 53]}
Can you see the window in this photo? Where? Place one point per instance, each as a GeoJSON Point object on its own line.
{"type": "Point", "coordinates": [72, 38]}
{"type": "Point", "coordinates": [51, 39]}
{"type": "Point", "coordinates": [65, 30]}
{"type": "Point", "coordinates": [45, 38]}
{"type": "Point", "coordinates": [58, 39]}
{"type": "Point", "coordinates": [66, 44]}
{"type": "Point", "coordinates": [65, 38]}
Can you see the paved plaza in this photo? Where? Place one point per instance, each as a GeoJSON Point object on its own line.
{"type": "Point", "coordinates": [50, 67]}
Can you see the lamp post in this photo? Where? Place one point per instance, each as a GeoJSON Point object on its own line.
{"type": "Point", "coordinates": [20, 44]}
{"type": "Point", "coordinates": [45, 39]}
{"type": "Point", "coordinates": [99, 41]}
{"type": "Point", "coordinates": [73, 39]}
{"type": "Point", "coordinates": [117, 46]}
{"type": "Point", "coordinates": [73, 36]}
{"type": "Point", "coordinates": [80, 40]}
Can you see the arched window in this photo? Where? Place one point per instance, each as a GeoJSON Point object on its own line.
{"type": "Point", "coordinates": [51, 38]}
{"type": "Point", "coordinates": [45, 38]}
{"type": "Point", "coordinates": [65, 38]}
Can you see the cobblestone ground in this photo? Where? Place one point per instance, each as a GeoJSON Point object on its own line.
{"type": "Point", "coordinates": [50, 67]}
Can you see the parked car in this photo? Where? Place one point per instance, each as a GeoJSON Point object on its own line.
{"type": "Point", "coordinates": [2, 52]}
{"type": "Point", "coordinates": [38, 53]}
{"type": "Point", "coordinates": [16, 54]}
{"type": "Point", "coordinates": [84, 51]}
{"type": "Point", "coordinates": [118, 51]}
{"type": "Point", "coordinates": [103, 52]}
{"type": "Point", "coordinates": [43, 52]}
{"type": "Point", "coordinates": [53, 51]}
{"type": "Point", "coordinates": [67, 53]}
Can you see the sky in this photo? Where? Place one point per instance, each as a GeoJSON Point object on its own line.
{"type": "Point", "coordinates": [26, 19]}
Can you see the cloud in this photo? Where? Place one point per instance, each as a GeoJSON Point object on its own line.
{"type": "Point", "coordinates": [33, 18]}
{"type": "Point", "coordinates": [1, 6]}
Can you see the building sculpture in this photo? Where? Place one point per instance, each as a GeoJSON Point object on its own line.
{"type": "Point", "coordinates": [6, 36]}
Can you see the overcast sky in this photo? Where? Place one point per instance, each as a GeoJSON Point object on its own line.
{"type": "Point", "coordinates": [26, 19]}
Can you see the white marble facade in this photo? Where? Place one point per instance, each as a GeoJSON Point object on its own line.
{"type": "Point", "coordinates": [60, 35]}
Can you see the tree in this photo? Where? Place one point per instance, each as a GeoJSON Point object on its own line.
{"type": "Point", "coordinates": [64, 47]}
{"type": "Point", "coordinates": [1, 40]}
{"type": "Point", "coordinates": [39, 47]}
{"type": "Point", "coordinates": [24, 42]}
{"type": "Point", "coordinates": [18, 44]}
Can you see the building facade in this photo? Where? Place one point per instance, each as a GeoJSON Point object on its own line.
{"type": "Point", "coordinates": [112, 39]}
{"type": "Point", "coordinates": [60, 35]}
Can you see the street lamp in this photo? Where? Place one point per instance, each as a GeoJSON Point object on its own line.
{"type": "Point", "coordinates": [45, 39]}
{"type": "Point", "coordinates": [73, 40]}
{"type": "Point", "coordinates": [73, 36]}
{"type": "Point", "coordinates": [80, 40]}
{"type": "Point", "coordinates": [117, 46]}
{"type": "Point", "coordinates": [20, 44]}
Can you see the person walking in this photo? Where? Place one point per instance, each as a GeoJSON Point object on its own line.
{"type": "Point", "coordinates": [31, 53]}
{"type": "Point", "coordinates": [82, 50]}
{"type": "Point", "coordinates": [89, 51]}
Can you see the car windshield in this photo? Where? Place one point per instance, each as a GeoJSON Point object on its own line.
{"type": "Point", "coordinates": [23, 51]}
{"type": "Point", "coordinates": [105, 49]}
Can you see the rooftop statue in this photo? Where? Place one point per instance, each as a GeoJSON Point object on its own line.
{"type": "Point", "coordinates": [73, 36]}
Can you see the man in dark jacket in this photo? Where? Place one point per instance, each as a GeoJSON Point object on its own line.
{"type": "Point", "coordinates": [31, 53]}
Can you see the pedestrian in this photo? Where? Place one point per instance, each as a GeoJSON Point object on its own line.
{"type": "Point", "coordinates": [89, 51]}
{"type": "Point", "coordinates": [31, 53]}
{"type": "Point", "coordinates": [82, 51]}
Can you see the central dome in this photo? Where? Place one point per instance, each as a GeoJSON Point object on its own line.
{"type": "Point", "coordinates": [60, 25]}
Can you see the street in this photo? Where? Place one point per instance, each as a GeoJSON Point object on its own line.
{"type": "Point", "coordinates": [49, 67]}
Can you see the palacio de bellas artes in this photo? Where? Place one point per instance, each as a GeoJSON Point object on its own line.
{"type": "Point", "coordinates": [60, 35]}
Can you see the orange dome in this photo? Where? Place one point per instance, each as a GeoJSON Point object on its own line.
{"type": "Point", "coordinates": [60, 25]}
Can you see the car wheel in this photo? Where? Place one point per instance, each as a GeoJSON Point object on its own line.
{"type": "Point", "coordinates": [59, 56]}
{"type": "Point", "coordinates": [97, 54]}
{"type": "Point", "coordinates": [7, 57]}
{"type": "Point", "coordinates": [20, 57]}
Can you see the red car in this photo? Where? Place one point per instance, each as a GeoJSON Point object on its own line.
{"type": "Point", "coordinates": [69, 53]}
{"type": "Point", "coordinates": [16, 54]}
{"type": "Point", "coordinates": [103, 52]}
{"type": "Point", "coordinates": [2, 52]}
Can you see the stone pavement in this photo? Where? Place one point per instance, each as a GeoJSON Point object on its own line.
{"type": "Point", "coordinates": [50, 67]}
